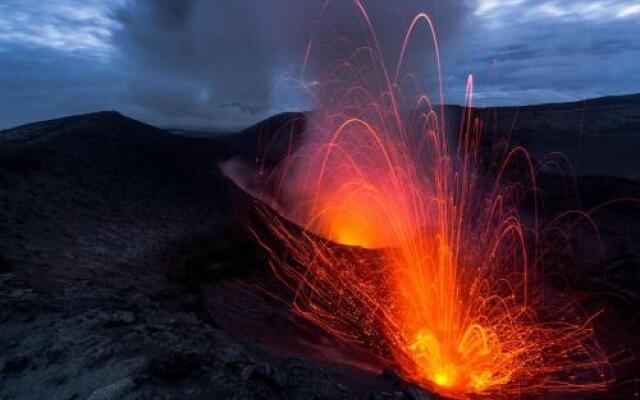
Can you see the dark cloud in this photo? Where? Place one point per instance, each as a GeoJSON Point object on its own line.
{"type": "Point", "coordinates": [221, 63]}
{"type": "Point", "coordinates": [41, 83]}
{"type": "Point", "coordinates": [563, 58]}
{"type": "Point", "coordinates": [195, 57]}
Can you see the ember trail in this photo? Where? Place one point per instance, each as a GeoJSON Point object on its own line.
{"type": "Point", "coordinates": [413, 244]}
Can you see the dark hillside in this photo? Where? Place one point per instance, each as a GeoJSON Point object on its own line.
{"type": "Point", "coordinates": [125, 272]}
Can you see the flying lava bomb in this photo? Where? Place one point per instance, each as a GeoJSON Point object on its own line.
{"type": "Point", "coordinates": [414, 245]}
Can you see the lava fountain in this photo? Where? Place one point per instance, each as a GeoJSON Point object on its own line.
{"type": "Point", "coordinates": [413, 245]}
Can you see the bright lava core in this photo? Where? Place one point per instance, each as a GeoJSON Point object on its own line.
{"type": "Point", "coordinates": [411, 245]}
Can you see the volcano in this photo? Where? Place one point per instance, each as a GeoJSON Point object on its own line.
{"type": "Point", "coordinates": [128, 271]}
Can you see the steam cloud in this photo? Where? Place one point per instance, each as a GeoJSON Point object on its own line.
{"type": "Point", "coordinates": [203, 59]}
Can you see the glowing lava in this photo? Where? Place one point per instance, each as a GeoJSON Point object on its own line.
{"type": "Point", "coordinates": [450, 290]}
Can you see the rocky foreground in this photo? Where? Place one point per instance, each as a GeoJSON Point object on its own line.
{"type": "Point", "coordinates": [93, 209]}
{"type": "Point", "coordinates": [123, 274]}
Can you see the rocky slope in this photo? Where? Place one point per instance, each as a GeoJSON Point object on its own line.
{"type": "Point", "coordinates": [124, 274]}
{"type": "Point", "coordinates": [97, 213]}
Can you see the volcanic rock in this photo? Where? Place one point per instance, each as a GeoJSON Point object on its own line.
{"type": "Point", "coordinates": [16, 364]}
{"type": "Point", "coordinates": [113, 391]}
{"type": "Point", "coordinates": [120, 243]}
{"type": "Point", "coordinates": [116, 318]}
{"type": "Point", "coordinates": [174, 365]}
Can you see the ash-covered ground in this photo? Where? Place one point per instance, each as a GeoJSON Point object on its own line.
{"type": "Point", "coordinates": [125, 271]}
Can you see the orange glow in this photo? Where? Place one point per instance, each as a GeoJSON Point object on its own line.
{"type": "Point", "coordinates": [447, 288]}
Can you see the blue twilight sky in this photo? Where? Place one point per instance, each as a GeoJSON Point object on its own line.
{"type": "Point", "coordinates": [218, 63]}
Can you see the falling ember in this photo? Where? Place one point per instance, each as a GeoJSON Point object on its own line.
{"type": "Point", "coordinates": [414, 247]}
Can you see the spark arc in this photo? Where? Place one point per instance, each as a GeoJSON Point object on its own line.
{"type": "Point", "coordinates": [412, 243]}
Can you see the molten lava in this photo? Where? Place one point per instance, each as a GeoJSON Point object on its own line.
{"type": "Point", "coordinates": [414, 247]}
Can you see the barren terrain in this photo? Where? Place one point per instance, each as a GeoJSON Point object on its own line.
{"type": "Point", "coordinates": [126, 271]}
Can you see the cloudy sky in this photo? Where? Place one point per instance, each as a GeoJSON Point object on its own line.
{"type": "Point", "coordinates": [220, 63]}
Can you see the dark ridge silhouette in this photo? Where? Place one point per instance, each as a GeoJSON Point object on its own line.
{"type": "Point", "coordinates": [598, 136]}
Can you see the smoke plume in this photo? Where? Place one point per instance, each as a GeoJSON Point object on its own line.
{"type": "Point", "coordinates": [223, 61]}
